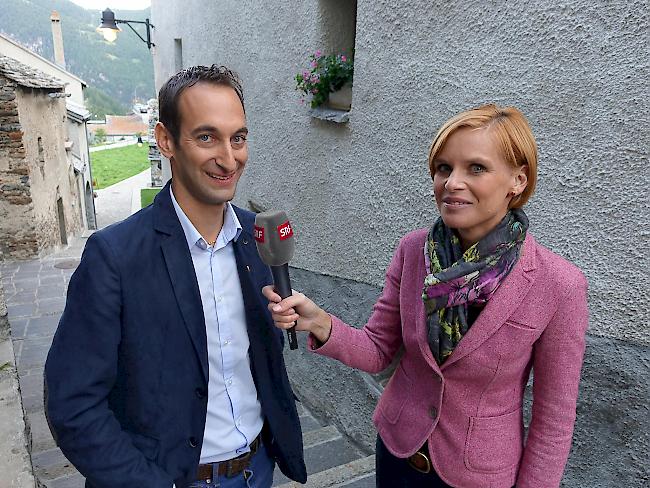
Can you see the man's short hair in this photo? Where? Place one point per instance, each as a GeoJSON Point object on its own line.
{"type": "Point", "coordinates": [171, 91]}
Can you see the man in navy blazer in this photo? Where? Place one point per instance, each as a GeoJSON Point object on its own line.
{"type": "Point", "coordinates": [166, 369]}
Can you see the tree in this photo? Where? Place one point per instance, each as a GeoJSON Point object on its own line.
{"type": "Point", "coordinates": [100, 136]}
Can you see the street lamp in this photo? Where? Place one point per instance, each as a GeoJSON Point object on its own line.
{"type": "Point", "coordinates": [109, 28]}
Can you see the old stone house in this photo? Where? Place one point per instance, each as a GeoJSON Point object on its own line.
{"type": "Point", "coordinates": [40, 189]}
{"type": "Point", "coordinates": [77, 147]}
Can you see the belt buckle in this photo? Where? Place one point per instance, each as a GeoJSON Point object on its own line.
{"type": "Point", "coordinates": [426, 470]}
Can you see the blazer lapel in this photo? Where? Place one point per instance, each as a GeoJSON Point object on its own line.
{"type": "Point", "coordinates": [505, 301]}
{"type": "Point", "coordinates": [249, 267]}
{"type": "Point", "coordinates": [181, 273]}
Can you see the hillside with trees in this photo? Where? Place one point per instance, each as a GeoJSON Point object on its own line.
{"type": "Point", "coordinates": [116, 74]}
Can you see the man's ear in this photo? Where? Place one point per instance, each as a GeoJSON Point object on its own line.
{"type": "Point", "coordinates": [164, 140]}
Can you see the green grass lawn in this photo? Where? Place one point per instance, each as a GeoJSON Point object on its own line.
{"type": "Point", "coordinates": [111, 166]}
{"type": "Point", "coordinates": [147, 195]}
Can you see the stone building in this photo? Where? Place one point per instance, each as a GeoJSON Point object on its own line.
{"type": "Point", "coordinates": [577, 69]}
{"type": "Point", "coordinates": [73, 140]}
{"type": "Point", "coordinates": [77, 115]}
{"type": "Point", "coordinates": [40, 193]}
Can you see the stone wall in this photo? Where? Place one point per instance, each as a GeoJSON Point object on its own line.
{"type": "Point", "coordinates": [18, 238]}
{"type": "Point", "coordinates": [52, 176]}
{"type": "Point", "coordinates": [34, 173]}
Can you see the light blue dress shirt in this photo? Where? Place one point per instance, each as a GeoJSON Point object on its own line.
{"type": "Point", "coordinates": [234, 416]}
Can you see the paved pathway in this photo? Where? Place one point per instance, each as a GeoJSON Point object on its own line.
{"type": "Point", "coordinates": [35, 294]}
{"type": "Point", "coordinates": [113, 203]}
{"type": "Point", "coordinates": [127, 142]}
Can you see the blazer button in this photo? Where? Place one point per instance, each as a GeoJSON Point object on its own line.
{"type": "Point", "coordinates": [193, 442]}
{"type": "Point", "coordinates": [200, 392]}
{"type": "Point", "coordinates": [433, 412]}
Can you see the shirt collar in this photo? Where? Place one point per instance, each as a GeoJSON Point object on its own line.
{"type": "Point", "coordinates": [230, 230]}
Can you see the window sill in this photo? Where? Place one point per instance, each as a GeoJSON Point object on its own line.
{"type": "Point", "coordinates": [330, 114]}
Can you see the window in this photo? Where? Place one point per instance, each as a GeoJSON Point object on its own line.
{"type": "Point", "coordinates": [178, 54]}
{"type": "Point", "coordinates": [339, 26]}
{"type": "Point", "coordinates": [338, 33]}
{"type": "Point", "coordinates": [41, 157]}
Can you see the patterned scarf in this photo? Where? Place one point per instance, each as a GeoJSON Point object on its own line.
{"type": "Point", "coordinates": [456, 279]}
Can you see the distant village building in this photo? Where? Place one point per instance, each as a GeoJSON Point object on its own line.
{"type": "Point", "coordinates": [41, 190]}
{"type": "Point", "coordinates": [118, 127]}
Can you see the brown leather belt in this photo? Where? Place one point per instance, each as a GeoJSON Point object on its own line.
{"type": "Point", "coordinates": [230, 467]}
{"type": "Point", "coordinates": [420, 460]}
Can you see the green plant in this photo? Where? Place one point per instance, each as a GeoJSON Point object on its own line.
{"type": "Point", "coordinates": [100, 135]}
{"type": "Point", "coordinates": [326, 74]}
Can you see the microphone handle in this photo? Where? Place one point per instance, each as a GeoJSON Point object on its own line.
{"type": "Point", "coordinates": [282, 285]}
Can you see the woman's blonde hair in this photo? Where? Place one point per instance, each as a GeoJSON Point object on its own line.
{"type": "Point", "coordinates": [511, 132]}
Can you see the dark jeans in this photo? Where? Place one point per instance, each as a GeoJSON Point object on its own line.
{"type": "Point", "coordinates": [394, 472]}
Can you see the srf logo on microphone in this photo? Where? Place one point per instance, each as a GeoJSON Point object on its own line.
{"type": "Point", "coordinates": [285, 231]}
{"type": "Point", "coordinates": [259, 234]}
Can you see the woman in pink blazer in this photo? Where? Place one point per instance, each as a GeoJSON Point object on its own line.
{"type": "Point", "coordinates": [476, 303]}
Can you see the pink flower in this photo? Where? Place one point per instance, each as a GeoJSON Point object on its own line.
{"type": "Point", "coordinates": [315, 90]}
{"type": "Point", "coordinates": [314, 78]}
{"type": "Point", "coordinates": [318, 53]}
{"type": "Point", "coordinates": [314, 63]}
{"type": "Point", "coordinates": [305, 75]}
{"type": "Point", "coordinates": [344, 59]}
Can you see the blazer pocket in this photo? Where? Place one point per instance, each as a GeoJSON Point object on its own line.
{"type": "Point", "coordinates": [147, 445]}
{"type": "Point", "coordinates": [521, 326]}
{"type": "Point", "coordinates": [494, 444]}
{"type": "Point", "coordinates": [392, 401]}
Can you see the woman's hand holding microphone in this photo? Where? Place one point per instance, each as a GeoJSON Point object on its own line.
{"type": "Point", "coordinates": [300, 310]}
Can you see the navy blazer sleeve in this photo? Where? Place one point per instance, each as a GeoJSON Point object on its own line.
{"type": "Point", "coordinates": [81, 370]}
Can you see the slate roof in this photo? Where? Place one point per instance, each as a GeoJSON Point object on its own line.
{"type": "Point", "coordinates": [27, 76]}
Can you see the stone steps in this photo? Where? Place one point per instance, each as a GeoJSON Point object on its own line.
{"type": "Point", "coordinates": [331, 459]}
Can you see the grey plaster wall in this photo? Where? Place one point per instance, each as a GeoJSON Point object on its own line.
{"type": "Point", "coordinates": [578, 69]}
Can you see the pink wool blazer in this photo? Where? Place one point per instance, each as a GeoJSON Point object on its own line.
{"type": "Point", "coordinates": [470, 408]}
